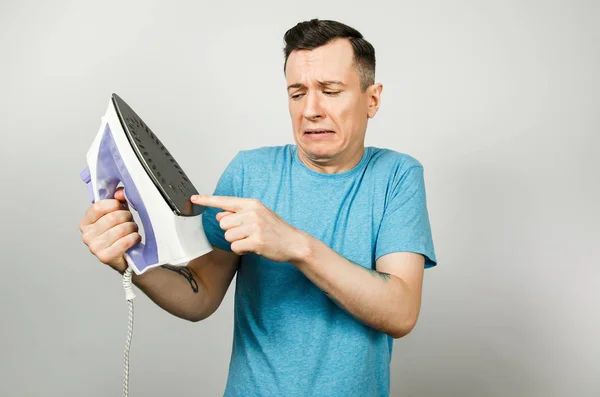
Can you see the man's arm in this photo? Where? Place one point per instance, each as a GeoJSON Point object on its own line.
{"type": "Point", "coordinates": [387, 299]}
{"type": "Point", "coordinates": [192, 292]}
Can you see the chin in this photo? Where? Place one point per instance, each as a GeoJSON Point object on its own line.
{"type": "Point", "coordinates": [318, 149]}
{"type": "Point", "coordinates": [320, 153]}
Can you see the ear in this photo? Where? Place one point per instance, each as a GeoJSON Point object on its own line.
{"type": "Point", "coordinates": [374, 99]}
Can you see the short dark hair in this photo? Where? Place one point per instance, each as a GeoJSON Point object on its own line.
{"type": "Point", "coordinates": [309, 35]}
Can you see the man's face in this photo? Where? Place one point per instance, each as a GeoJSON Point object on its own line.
{"type": "Point", "coordinates": [328, 109]}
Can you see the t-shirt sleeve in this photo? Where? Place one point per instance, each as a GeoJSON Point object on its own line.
{"type": "Point", "coordinates": [229, 184]}
{"type": "Point", "coordinates": [405, 226]}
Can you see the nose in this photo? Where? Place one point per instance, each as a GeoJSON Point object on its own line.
{"type": "Point", "coordinates": [312, 106]}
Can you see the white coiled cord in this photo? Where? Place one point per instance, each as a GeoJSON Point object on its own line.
{"type": "Point", "coordinates": [129, 295]}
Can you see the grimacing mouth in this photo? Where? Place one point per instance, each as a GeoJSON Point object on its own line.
{"type": "Point", "coordinates": [317, 131]}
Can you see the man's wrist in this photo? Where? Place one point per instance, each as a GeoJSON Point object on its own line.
{"type": "Point", "coordinates": [304, 250]}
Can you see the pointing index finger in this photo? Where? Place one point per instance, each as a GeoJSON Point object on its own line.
{"type": "Point", "coordinates": [228, 203]}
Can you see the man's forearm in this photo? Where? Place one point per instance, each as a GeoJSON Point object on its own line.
{"type": "Point", "coordinates": [175, 289]}
{"type": "Point", "coordinates": [379, 300]}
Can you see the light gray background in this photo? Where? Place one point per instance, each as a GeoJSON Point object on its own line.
{"type": "Point", "coordinates": [498, 100]}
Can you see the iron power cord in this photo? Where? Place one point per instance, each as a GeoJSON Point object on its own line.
{"type": "Point", "coordinates": [129, 295]}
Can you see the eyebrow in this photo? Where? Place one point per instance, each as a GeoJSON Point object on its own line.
{"type": "Point", "coordinates": [321, 83]}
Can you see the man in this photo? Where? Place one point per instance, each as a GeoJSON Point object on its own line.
{"type": "Point", "coordinates": [329, 238]}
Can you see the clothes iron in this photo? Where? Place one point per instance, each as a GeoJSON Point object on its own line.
{"type": "Point", "coordinates": [126, 151]}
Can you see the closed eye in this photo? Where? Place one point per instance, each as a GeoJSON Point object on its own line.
{"type": "Point", "coordinates": [328, 93]}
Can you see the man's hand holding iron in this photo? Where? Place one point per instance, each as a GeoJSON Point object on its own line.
{"type": "Point", "coordinates": [108, 230]}
{"type": "Point", "coordinates": [251, 227]}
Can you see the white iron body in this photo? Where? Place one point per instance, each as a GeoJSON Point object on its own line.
{"type": "Point", "coordinates": [178, 239]}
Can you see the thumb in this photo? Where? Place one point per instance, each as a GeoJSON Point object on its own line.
{"type": "Point", "coordinates": [120, 193]}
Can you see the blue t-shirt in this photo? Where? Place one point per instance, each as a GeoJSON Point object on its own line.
{"type": "Point", "coordinates": [290, 339]}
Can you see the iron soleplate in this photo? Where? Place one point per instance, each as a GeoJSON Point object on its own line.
{"type": "Point", "coordinates": [170, 180]}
